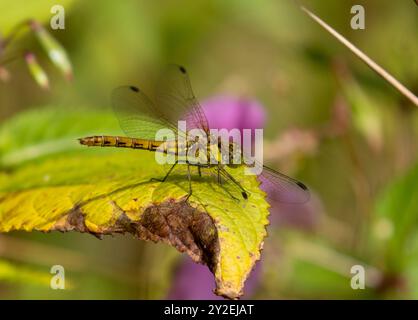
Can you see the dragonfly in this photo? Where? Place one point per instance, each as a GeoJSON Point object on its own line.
{"type": "Point", "coordinates": [140, 118]}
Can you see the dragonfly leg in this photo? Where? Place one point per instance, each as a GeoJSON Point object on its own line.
{"type": "Point", "coordinates": [244, 192]}
{"type": "Point", "coordinates": [199, 171]}
{"type": "Point", "coordinates": [231, 195]}
{"type": "Point", "coordinates": [167, 174]}
{"type": "Point", "coordinates": [220, 183]}
{"type": "Point", "coordinates": [190, 182]}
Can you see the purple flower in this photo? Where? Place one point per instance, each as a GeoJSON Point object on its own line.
{"type": "Point", "coordinates": [194, 281]}
{"type": "Point", "coordinates": [231, 112]}
{"type": "Point", "coordinates": [304, 216]}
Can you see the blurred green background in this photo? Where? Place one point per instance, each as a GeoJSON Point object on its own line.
{"type": "Point", "coordinates": [332, 123]}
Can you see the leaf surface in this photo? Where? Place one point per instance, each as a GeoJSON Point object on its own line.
{"type": "Point", "coordinates": [107, 190]}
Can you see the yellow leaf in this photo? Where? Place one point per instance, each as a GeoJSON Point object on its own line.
{"type": "Point", "coordinates": [103, 191]}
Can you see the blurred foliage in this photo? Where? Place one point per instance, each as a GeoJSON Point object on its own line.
{"type": "Point", "coordinates": [55, 131]}
{"type": "Point", "coordinates": [21, 10]}
{"type": "Point", "coordinates": [24, 275]}
{"type": "Point", "coordinates": [364, 173]}
{"type": "Point", "coordinates": [397, 222]}
{"type": "Point", "coordinates": [36, 71]}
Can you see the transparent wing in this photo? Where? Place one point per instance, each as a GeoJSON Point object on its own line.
{"type": "Point", "coordinates": [174, 95]}
{"type": "Point", "coordinates": [281, 188]}
{"type": "Point", "coordinates": [138, 116]}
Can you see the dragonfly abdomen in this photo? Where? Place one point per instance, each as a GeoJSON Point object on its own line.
{"type": "Point", "coordinates": [120, 142]}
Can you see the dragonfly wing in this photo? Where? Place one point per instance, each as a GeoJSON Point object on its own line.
{"type": "Point", "coordinates": [176, 100]}
{"type": "Point", "coordinates": [278, 186]}
{"type": "Point", "coordinates": [138, 116]}
{"type": "Point", "coordinates": [281, 188]}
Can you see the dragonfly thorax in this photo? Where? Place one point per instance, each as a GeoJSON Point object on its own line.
{"type": "Point", "coordinates": [229, 153]}
{"type": "Point", "coordinates": [209, 152]}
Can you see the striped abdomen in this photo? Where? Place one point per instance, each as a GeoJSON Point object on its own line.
{"type": "Point", "coordinates": [181, 149]}
{"type": "Point", "coordinates": [124, 142]}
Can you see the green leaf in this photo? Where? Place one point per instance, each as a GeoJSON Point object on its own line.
{"type": "Point", "coordinates": [398, 219]}
{"type": "Point", "coordinates": [43, 132]}
{"type": "Point", "coordinates": [20, 274]}
{"type": "Point", "coordinates": [108, 190]}
{"type": "Point", "coordinates": [367, 117]}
